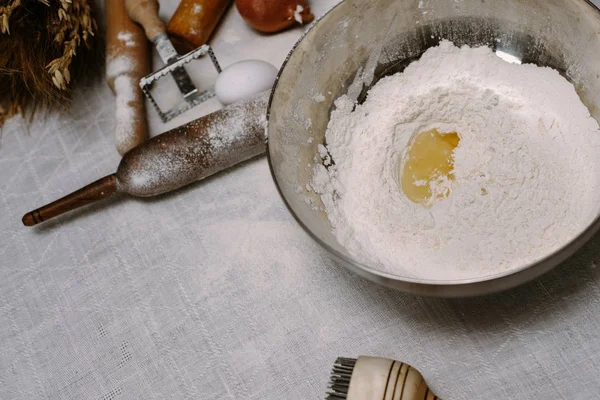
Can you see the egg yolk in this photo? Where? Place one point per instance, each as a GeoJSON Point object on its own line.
{"type": "Point", "coordinates": [426, 171]}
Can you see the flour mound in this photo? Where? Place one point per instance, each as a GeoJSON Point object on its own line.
{"type": "Point", "coordinates": [526, 168]}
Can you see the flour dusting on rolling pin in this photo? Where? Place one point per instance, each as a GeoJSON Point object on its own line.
{"type": "Point", "coordinates": [127, 61]}
{"type": "Point", "coordinates": [195, 150]}
{"type": "Point", "coordinates": [176, 158]}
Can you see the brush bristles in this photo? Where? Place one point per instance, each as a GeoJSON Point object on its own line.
{"type": "Point", "coordinates": [339, 381]}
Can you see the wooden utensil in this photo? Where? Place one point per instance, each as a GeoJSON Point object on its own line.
{"type": "Point", "coordinates": [128, 60]}
{"type": "Point", "coordinates": [194, 21]}
{"type": "Point", "coordinates": [145, 13]}
{"type": "Point", "coordinates": [374, 378]}
{"type": "Point", "coordinates": [175, 158]}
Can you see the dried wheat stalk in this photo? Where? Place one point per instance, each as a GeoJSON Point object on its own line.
{"type": "Point", "coordinates": [42, 43]}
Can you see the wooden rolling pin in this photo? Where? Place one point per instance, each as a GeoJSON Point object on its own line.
{"type": "Point", "coordinates": [128, 60]}
{"type": "Point", "coordinates": [176, 158]}
{"type": "Point", "coordinates": [194, 21]}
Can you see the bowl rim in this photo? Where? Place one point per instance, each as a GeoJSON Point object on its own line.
{"type": "Point", "coordinates": [416, 285]}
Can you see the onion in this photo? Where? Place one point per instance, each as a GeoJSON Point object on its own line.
{"type": "Point", "coordinates": [274, 15]}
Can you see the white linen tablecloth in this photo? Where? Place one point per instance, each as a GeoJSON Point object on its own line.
{"type": "Point", "coordinates": [214, 292]}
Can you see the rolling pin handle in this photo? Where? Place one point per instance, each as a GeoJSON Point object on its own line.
{"type": "Point", "coordinates": [145, 13]}
{"type": "Point", "coordinates": [98, 190]}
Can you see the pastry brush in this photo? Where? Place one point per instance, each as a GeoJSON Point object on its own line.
{"type": "Point", "coordinates": [374, 378]}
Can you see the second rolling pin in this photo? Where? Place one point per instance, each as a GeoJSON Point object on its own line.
{"type": "Point", "coordinates": [127, 61]}
{"type": "Point", "coordinates": [176, 158]}
{"type": "Point", "coordinates": [194, 21]}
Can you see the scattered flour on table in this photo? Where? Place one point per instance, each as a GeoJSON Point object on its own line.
{"type": "Point", "coordinates": [526, 169]}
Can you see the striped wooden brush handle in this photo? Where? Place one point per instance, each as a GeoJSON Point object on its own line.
{"type": "Point", "coordinates": [374, 378]}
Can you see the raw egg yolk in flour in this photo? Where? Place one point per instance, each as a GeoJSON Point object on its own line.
{"type": "Point", "coordinates": [426, 172]}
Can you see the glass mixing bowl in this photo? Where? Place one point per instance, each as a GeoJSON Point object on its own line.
{"type": "Point", "coordinates": [359, 41]}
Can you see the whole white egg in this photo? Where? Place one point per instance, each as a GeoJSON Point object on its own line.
{"type": "Point", "coordinates": [243, 80]}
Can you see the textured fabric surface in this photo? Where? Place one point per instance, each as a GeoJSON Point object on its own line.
{"type": "Point", "coordinates": [214, 292]}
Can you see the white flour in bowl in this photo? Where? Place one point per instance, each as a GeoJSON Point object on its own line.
{"type": "Point", "coordinates": [526, 171]}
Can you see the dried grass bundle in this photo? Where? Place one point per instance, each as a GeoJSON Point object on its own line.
{"type": "Point", "coordinates": [44, 46]}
